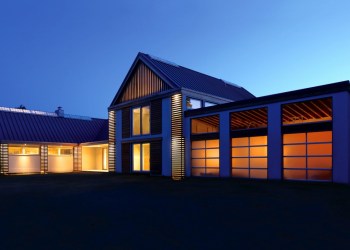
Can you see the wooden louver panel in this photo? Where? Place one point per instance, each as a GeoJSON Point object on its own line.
{"type": "Point", "coordinates": [177, 140]}
{"type": "Point", "coordinates": [156, 117]}
{"type": "Point", "coordinates": [142, 83]}
{"type": "Point", "coordinates": [43, 159]}
{"type": "Point", "coordinates": [126, 158]}
{"type": "Point", "coordinates": [156, 158]}
{"type": "Point", "coordinates": [4, 158]}
{"type": "Point", "coordinates": [77, 159]}
{"type": "Point", "coordinates": [126, 123]}
{"type": "Point", "coordinates": [112, 122]}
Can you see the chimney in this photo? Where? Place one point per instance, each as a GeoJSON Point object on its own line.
{"type": "Point", "coordinates": [59, 112]}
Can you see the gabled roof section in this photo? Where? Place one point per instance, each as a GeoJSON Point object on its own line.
{"type": "Point", "coordinates": [193, 80]}
{"type": "Point", "coordinates": [172, 76]}
{"type": "Point", "coordinates": [141, 81]}
{"type": "Point", "coordinates": [30, 127]}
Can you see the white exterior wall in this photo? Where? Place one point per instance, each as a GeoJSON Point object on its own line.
{"type": "Point", "coordinates": [60, 163]}
{"type": "Point", "coordinates": [24, 164]}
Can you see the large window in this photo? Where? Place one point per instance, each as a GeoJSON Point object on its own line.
{"type": "Point", "coordinates": [60, 151]}
{"type": "Point", "coordinates": [141, 157]}
{"type": "Point", "coordinates": [307, 156]}
{"type": "Point", "coordinates": [249, 157]}
{"type": "Point", "coordinates": [193, 103]}
{"type": "Point", "coordinates": [23, 150]}
{"type": "Point", "coordinates": [141, 120]}
{"type": "Point", "coordinates": [205, 158]}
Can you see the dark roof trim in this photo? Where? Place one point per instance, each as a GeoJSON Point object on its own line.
{"type": "Point", "coordinates": [280, 97]}
{"type": "Point", "coordinates": [144, 99]}
{"type": "Point", "coordinates": [38, 143]}
{"type": "Point", "coordinates": [140, 57]}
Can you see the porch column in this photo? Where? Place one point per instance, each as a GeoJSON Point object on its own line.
{"type": "Point", "coordinates": [274, 142]}
{"type": "Point", "coordinates": [225, 144]}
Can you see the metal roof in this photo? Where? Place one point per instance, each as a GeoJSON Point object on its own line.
{"type": "Point", "coordinates": [179, 77]}
{"type": "Point", "coordinates": [193, 80]}
{"type": "Point", "coordinates": [31, 127]}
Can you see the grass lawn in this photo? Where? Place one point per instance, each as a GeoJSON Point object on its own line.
{"type": "Point", "coordinates": [108, 211]}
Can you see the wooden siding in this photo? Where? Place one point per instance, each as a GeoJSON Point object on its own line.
{"type": "Point", "coordinates": [177, 139]}
{"type": "Point", "coordinates": [126, 158]}
{"type": "Point", "coordinates": [156, 158]}
{"type": "Point", "coordinates": [43, 159]}
{"type": "Point", "coordinates": [4, 158]}
{"type": "Point", "coordinates": [77, 159]}
{"type": "Point", "coordinates": [156, 117]}
{"type": "Point", "coordinates": [143, 82]}
{"type": "Point", "coordinates": [126, 123]}
{"type": "Point", "coordinates": [112, 123]}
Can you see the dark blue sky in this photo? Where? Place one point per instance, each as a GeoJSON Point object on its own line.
{"type": "Point", "coordinates": [75, 53]}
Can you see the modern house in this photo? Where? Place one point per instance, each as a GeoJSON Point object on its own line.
{"type": "Point", "coordinates": [43, 142]}
{"type": "Point", "coordinates": [169, 120]}
{"type": "Point", "coordinates": [146, 115]}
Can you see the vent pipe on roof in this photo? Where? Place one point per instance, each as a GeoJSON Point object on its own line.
{"type": "Point", "coordinates": [59, 112]}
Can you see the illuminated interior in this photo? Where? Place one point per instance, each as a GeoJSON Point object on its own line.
{"type": "Point", "coordinates": [141, 157]}
{"type": "Point", "coordinates": [318, 110]}
{"type": "Point", "coordinates": [23, 150]}
{"type": "Point", "coordinates": [207, 124]}
{"type": "Point", "coordinates": [95, 157]}
{"type": "Point", "coordinates": [205, 158]}
{"type": "Point", "coordinates": [307, 156]}
{"type": "Point", "coordinates": [249, 157]}
{"type": "Point", "coordinates": [248, 119]}
{"type": "Point", "coordinates": [60, 151]}
{"type": "Point", "coordinates": [141, 120]}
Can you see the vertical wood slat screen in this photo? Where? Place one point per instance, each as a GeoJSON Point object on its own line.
{"type": "Point", "coordinates": [44, 159]}
{"type": "Point", "coordinates": [126, 123]}
{"type": "Point", "coordinates": [142, 83]}
{"type": "Point", "coordinates": [156, 158]}
{"type": "Point", "coordinates": [177, 140]}
{"type": "Point", "coordinates": [112, 123]}
{"type": "Point", "coordinates": [4, 158]}
{"type": "Point", "coordinates": [77, 159]}
{"type": "Point", "coordinates": [126, 158]}
{"type": "Point", "coordinates": [156, 117]}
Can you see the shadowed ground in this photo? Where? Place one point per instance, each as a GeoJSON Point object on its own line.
{"type": "Point", "coordinates": [107, 211]}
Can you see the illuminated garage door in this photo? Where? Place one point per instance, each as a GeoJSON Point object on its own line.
{"type": "Point", "coordinates": [24, 159]}
{"type": "Point", "coordinates": [307, 156]}
{"type": "Point", "coordinates": [249, 157]}
{"type": "Point", "coordinates": [205, 158]}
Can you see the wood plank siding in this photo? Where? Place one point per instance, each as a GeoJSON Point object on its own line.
{"type": "Point", "coordinates": [156, 158]}
{"type": "Point", "coordinates": [156, 117]}
{"type": "Point", "coordinates": [44, 162]}
{"type": "Point", "coordinates": [177, 139]}
{"type": "Point", "coordinates": [4, 158]}
{"type": "Point", "coordinates": [77, 159]}
{"type": "Point", "coordinates": [142, 83]}
{"type": "Point", "coordinates": [126, 123]}
{"type": "Point", "coordinates": [112, 123]}
{"type": "Point", "coordinates": [126, 158]}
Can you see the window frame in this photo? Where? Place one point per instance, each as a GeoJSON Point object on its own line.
{"type": "Point", "coordinates": [141, 158]}
{"type": "Point", "coordinates": [195, 99]}
{"type": "Point", "coordinates": [141, 120]}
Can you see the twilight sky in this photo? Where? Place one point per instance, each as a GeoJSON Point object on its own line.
{"type": "Point", "coordinates": [75, 53]}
